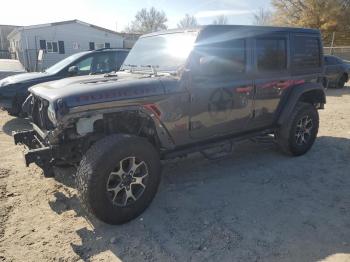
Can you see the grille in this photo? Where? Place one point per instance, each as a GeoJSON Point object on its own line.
{"type": "Point", "coordinates": [39, 113]}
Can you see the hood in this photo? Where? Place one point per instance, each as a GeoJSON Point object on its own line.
{"type": "Point", "coordinates": [23, 78]}
{"type": "Point", "coordinates": [78, 91]}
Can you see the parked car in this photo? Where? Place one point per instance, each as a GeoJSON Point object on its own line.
{"type": "Point", "coordinates": [178, 92]}
{"type": "Point", "coordinates": [14, 89]}
{"type": "Point", "coordinates": [10, 67]}
{"type": "Point", "coordinates": [336, 71]}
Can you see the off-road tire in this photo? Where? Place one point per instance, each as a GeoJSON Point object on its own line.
{"type": "Point", "coordinates": [94, 171]}
{"type": "Point", "coordinates": [286, 134]}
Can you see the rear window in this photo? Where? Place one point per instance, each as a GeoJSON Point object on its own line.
{"type": "Point", "coordinates": [271, 54]}
{"type": "Point", "coordinates": [330, 60]}
{"type": "Point", "coordinates": [306, 52]}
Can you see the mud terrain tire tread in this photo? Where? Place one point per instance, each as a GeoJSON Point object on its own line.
{"type": "Point", "coordinates": [95, 167]}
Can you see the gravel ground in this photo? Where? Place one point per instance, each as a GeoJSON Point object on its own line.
{"type": "Point", "coordinates": [255, 205]}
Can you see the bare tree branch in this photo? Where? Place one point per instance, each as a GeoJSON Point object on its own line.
{"type": "Point", "coordinates": [147, 21]}
{"type": "Point", "coordinates": [187, 22]}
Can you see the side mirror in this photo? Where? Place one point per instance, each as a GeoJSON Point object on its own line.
{"type": "Point", "coordinates": [73, 70]}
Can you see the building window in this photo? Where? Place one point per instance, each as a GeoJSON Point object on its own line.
{"type": "Point", "coordinates": [100, 45]}
{"type": "Point", "coordinates": [52, 47]}
{"type": "Point", "coordinates": [107, 45]}
{"type": "Point", "coordinates": [91, 46]}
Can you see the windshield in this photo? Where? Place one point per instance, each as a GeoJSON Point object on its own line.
{"type": "Point", "coordinates": [165, 52]}
{"type": "Point", "coordinates": [62, 64]}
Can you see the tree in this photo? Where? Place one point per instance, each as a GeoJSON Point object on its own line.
{"type": "Point", "coordinates": [325, 15]}
{"type": "Point", "coordinates": [187, 22]}
{"type": "Point", "coordinates": [147, 21]}
{"type": "Point", "coordinates": [262, 17]}
{"type": "Point", "coordinates": [221, 20]}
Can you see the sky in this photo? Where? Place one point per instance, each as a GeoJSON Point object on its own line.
{"type": "Point", "coordinates": [117, 14]}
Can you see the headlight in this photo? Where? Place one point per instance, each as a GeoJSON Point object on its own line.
{"type": "Point", "coordinates": [51, 113]}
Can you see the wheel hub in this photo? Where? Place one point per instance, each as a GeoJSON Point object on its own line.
{"type": "Point", "coordinates": [127, 179]}
{"type": "Point", "coordinates": [303, 130]}
{"type": "Point", "coordinates": [127, 182]}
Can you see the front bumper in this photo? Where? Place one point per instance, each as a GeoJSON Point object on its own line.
{"type": "Point", "coordinates": [37, 152]}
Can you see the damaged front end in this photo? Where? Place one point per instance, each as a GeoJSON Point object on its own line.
{"type": "Point", "coordinates": [43, 143]}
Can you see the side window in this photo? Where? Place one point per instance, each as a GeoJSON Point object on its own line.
{"type": "Point", "coordinates": [224, 58]}
{"type": "Point", "coordinates": [306, 52]}
{"type": "Point", "coordinates": [327, 60]}
{"type": "Point", "coordinates": [91, 46]}
{"type": "Point", "coordinates": [271, 54]}
{"type": "Point", "coordinates": [330, 60]}
{"type": "Point", "coordinates": [52, 47]}
{"type": "Point", "coordinates": [104, 63]}
{"type": "Point", "coordinates": [84, 66]}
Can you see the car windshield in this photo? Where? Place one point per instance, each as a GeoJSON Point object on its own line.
{"type": "Point", "coordinates": [166, 52]}
{"type": "Point", "coordinates": [62, 64]}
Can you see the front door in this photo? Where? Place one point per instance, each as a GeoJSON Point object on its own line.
{"type": "Point", "coordinates": [221, 89]}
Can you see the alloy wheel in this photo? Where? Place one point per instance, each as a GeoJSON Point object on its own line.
{"type": "Point", "coordinates": [304, 130]}
{"type": "Point", "coordinates": [127, 182]}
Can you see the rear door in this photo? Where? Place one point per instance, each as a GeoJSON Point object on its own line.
{"type": "Point", "coordinates": [272, 76]}
{"type": "Point", "coordinates": [221, 88]}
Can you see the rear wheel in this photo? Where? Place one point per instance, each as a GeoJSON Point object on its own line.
{"type": "Point", "coordinates": [118, 177]}
{"type": "Point", "coordinates": [298, 134]}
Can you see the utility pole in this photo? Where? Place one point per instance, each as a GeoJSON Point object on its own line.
{"type": "Point", "coordinates": [332, 44]}
{"type": "Point", "coordinates": [1, 39]}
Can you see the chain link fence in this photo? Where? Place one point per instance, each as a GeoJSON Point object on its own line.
{"type": "Point", "coordinates": [337, 43]}
{"type": "Point", "coordinates": [341, 51]}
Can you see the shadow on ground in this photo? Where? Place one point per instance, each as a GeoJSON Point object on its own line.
{"type": "Point", "coordinates": [258, 205]}
{"type": "Point", "coordinates": [16, 124]}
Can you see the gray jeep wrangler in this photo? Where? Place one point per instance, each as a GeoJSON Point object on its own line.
{"type": "Point", "coordinates": [177, 92]}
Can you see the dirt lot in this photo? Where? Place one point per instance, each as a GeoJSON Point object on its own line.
{"type": "Point", "coordinates": [256, 205]}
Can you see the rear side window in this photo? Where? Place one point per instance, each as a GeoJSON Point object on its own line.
{"type": "Point", "coordinates": [329, 60]}
{"type": "Point", "coordinates": [271, 54]}
{"type": "Point", "coordinates": [306, 52]}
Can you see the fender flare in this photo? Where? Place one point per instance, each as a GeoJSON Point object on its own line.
{"type": "Point", "coordinates": [162, 133]}
{"type": "Point", "coordinates": [297, 94]}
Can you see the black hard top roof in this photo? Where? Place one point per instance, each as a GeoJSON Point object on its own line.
{"type": "Point", "coordinates": [245, 28]}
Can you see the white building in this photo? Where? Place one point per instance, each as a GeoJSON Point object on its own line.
{"type": "Point", "coordinates": [58, 40]}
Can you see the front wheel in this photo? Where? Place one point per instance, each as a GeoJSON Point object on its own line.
{"type": "Point", "coordinates": [298, 134]}
{"type": "Point", "coordinates": [118, 177]}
